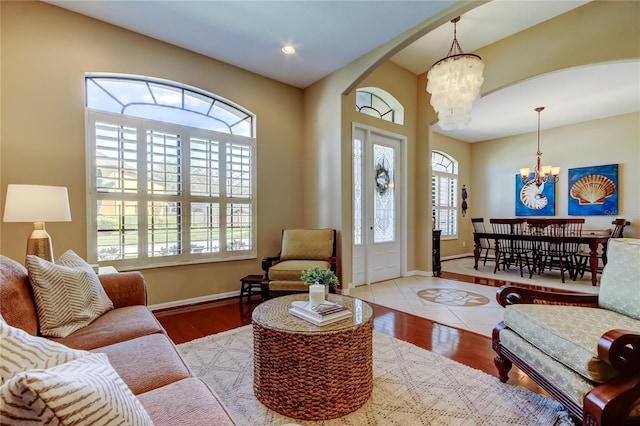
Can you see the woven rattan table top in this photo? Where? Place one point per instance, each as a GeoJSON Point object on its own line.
{"type": "Point", "coordinates": [274, 313]}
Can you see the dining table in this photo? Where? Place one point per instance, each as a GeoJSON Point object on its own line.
{"type": "Point", "coordinates": [593, 241]}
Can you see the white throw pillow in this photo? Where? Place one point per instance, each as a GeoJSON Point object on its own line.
{"type": "Point", "coordinates": [20, 351]}
{"type": "Point", "coordinates": [86, 391]}
{"type": "Point", "coordinates": [68, 294]}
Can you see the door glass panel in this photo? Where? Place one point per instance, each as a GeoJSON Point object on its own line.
{"type": "Point", "coordinates": [384, 194]}
{"type": "Point", "coordinates": [357, 191]}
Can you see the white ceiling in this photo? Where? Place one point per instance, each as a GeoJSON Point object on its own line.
{"type": "Point", "coordinates": [330, 34]}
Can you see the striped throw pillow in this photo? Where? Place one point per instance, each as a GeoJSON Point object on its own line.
{"type": "Point", "coordinates": [86, 391]}
{"type": "Point", "coordinates": [68, 294]}
{"type": "Point", "coordinates": [20, 351]}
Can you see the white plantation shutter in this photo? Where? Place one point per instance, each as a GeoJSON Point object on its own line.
{"type": "Point", "coordinates": [444, 190]}
{"type": "Point", "coordinates": [164, 193]}
{"type": "Point", "coordinates": [116, 157]}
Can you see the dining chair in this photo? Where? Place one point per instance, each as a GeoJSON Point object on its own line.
{"type": "Point", "coordinates": [561, 254]}
{"type": "Point", "coordinates": [536, 227]}
{"type": "Point", "coordinates": [583, 256]}
{"type": "Point", "coordinates": [485, 244]}
{"type": "Point", "coordinates": [573, 228]}
{"type": "Point", "coordinates": [511, 251]}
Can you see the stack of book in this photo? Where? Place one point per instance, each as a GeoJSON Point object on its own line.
{"type": "Point", "coordinates": [323, 314]}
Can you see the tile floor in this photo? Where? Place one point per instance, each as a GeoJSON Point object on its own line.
{"type": "Point", "coordinates": [462, 305]}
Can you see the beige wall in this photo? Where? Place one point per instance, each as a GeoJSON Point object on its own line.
{"type": "Point", "coordinates": [304, 137]}
{"type": "Point", "coordinates": [587, 35]}
{"type": "Point", "coordinates": [460, 151]}
{"type": "Point", "coordinates": [328, 111]}
{"type": "Point", "coordinates": [401, 84]}
{"type": "Point", "coordinates": [45, 53]}
{"type": "Point", "coordinates": [614, 140]}
{"type": "Point", "coordinates": [599, 31]}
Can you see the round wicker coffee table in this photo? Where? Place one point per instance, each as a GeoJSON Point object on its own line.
{"type": "Point", "coordinates": [312, 372]}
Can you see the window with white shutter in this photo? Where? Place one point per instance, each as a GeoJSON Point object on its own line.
{"type": "Point", "coordinates": [444, 189]}
{"type": "Point", "coordinates": [171, 174]}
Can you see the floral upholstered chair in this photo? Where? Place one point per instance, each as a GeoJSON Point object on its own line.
{"type": "Point", "coordinates": [300, 249]}
{"type": "Point", "coordinates": [584, 350]}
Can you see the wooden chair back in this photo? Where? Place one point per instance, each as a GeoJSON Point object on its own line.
{"type": "Point", "coordinates": [620, 223]}
{"type": "Point", "coordinates": [508, 226]}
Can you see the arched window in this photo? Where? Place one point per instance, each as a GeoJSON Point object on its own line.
{"type": "Point", "coordinates": [444, 190]}
{"type": "Point", "coordinates": [379, 103]}
{"type": "Point", "coordinates": [171, 174]}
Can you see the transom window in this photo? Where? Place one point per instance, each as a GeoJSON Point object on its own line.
{"type": "Point", "coordinates": [379, 103]}
{"type": "Point", "coordinates": [444, 190]}
{"type": "Point", "coordinates": [171, 174]}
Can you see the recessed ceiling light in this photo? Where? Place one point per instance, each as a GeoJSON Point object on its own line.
{"type": "Point", "coordinates": [288, 49]}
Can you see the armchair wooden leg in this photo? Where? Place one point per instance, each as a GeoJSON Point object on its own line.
{"type": "Point", "coordinates": [504, 366]}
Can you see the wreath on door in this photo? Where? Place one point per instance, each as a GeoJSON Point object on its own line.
{"type": "Point", "coordinates": [382, 179]}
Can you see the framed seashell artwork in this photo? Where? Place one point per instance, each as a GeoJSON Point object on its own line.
{"type": "Point", "coordinates": [532, 200]}
{"type": "Point", "coordinates": [593, 191]}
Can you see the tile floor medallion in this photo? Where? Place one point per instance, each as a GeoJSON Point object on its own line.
{"type": "Point", "coordinates": [453, 297]}
{"type": "Point", "coordinates": [458, 304]}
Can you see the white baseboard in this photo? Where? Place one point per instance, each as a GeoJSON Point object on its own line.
{"type": "Point", "coordinates": [195, 300]}
{"type": "Point", "coordinates": [457, 256]}
{"type": "Point", "coordinates": [418, 273]}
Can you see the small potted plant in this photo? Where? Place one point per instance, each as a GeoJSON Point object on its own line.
{"type": "Point", "coordinates": [319, 281]}
{"type": "Point", "coordinates": [317, 275]}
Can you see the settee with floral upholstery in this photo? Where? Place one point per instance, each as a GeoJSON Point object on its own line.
{"type": "Point", "coordinates": [584, 350]}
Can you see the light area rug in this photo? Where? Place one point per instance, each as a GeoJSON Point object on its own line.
{"type": "Point", "coordinates": [547, 279]}
{"type": "Point", "coordinates": [412, 386]}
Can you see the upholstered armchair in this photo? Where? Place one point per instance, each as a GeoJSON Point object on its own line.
{"type": "Point", "coordinates": [584, 350]}
{"type": "Point", "coordinates": [300, 249]}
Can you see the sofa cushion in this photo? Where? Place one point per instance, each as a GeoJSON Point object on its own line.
{"type": "Point", "coordinates": [620, 282]}
{"type": "Point", "coordinates": [86, 391]}
{"type": "Point", "coordinates": [291, 270]}
{"type": "Point", "coordinates": [307, 244]}
{"type": "Point", "coordinates": [575, 386]}
{"type": "Point", "coordinates": [569, 334]}
{"type": "Point", "coordinates": [189, 402]}
{"type": "Point", "coordinates": [572, 383]}
{"type": "Point", "coordinates": [68, 294]}
{"type": "Point", "coordinates": [20, 351]}
{"type": "Point", "coordinates": [289, 286]}
{"type": "Point", "coordinates": [146, 363]}
{"type": "Point", "coordinates": [115, 326]}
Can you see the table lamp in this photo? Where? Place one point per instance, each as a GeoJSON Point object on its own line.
{"type": "Point", "coordinates": [37, 204]}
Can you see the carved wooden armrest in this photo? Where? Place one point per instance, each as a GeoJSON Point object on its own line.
{"type": "Point", "coordinates": [269, 261]}
{"type": "Point", "coordinates": [621, 350]}
{"type": "Point", "coordinates": [512, 295]}
{"type": "Point", "coordinates": [609, 403]}
{"type": "Point", "coordinates": [334, 263]}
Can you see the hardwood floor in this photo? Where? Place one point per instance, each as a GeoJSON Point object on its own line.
{"type": "Point", "coordinates": [187, 323]}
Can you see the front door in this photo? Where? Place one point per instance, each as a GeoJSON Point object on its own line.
{"type": "Point", "coordinates": [377, 201]}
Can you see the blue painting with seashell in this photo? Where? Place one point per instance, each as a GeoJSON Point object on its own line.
{"type": "Point", "coordinates": [533, 200]}
{"type": "Point", "coordinates": [593, 191]}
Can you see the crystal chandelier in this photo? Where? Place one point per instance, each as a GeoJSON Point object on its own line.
{"type": "Point", "coordinates": [542, 174]}
{"type": "Point", "coordinates": [454, 84]}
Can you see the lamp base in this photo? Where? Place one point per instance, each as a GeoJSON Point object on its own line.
{"type": "Point", "coordinates": [39, 243]}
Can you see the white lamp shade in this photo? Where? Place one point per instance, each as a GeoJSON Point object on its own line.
{"type": "Point", "coordinates": [36, 203]}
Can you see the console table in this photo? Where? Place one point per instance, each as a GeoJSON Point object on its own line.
{"type": "Point", "coordinates": [437, 266]}
{"type": "Point", "coordinates": [312, 372]}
